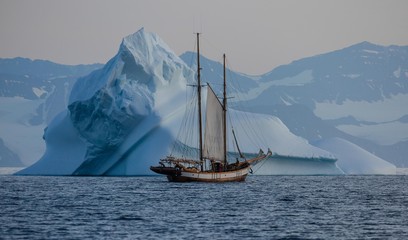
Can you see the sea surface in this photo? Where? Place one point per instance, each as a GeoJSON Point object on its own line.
{"type": "Point", "coordinates": [263, 207]}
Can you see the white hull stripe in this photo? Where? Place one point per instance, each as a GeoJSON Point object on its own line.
{"type": "Point", "coordinates": [215, 175]}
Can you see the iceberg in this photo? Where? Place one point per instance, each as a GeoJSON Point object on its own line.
{"type": "Point", "coordinates": [126, 103]}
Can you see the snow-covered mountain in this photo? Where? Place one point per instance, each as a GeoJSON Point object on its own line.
{"type": "Point", "coordinates": [40, 79]}
{"type": "Point", "coordinates": [32, 93]}
{"type": "Point", "coordinates": [358, 93]}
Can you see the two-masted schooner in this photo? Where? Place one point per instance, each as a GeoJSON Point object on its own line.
{"type": "Point", "coordinates": [212, 165]}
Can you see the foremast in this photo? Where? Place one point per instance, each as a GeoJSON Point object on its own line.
{"type": "Point", "coordinates": [224, 108]}
{"type": "Point", "coordinates": [200, 123]}
{"type": "Point", "coordinates": [224, 103]}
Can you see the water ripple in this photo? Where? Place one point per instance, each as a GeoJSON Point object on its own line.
{"type": "Point", "coordinates": [263, 207]}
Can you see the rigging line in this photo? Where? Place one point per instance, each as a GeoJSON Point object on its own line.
{"type": "Point", "coordinates": [254, 141]}
{"type": "Point", "coordinates": [174, 145]}
{"type": "Point", "coordinates": [217, 49]}
{"type": "Point", "coordinates": [189, 136]}
{"type": "Point", "coordinates": [186, 136]}
{"type": "Point", "coordinates": [236, 142]}
{"type": "Point", "coordinates": [192, 58]}
{"type": "Point", "coordinates": [182, 133]}
{"type": "Point", "coordinates": [214, 46]}
{"type": "Point", "coordinates": [263, 163]}
{"type": "Point", "coordinates": [240, 103]}
{"type": "Point", "coordinates": [233, 146]}
{"type": "Point", "coordinates": [244, 128]}
{"type": "Point", "coordinates": [255, 127]}
{"type": "Point", "coordinates": [231, 127]}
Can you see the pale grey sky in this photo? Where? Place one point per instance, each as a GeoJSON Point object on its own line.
{"type": "Point", "coordinates": [256, 35]}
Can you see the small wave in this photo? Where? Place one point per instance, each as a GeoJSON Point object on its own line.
{"type": "Point", "coordinates": [287, 199]}
{"type": "Point", "coordinates": [129, 218]}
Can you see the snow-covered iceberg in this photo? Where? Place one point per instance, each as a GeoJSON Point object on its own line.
{"type": "Point", "coordinates": [121, 116]}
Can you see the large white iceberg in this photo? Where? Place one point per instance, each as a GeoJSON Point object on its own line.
{"type": "Point", "coordinates": [119, 106]}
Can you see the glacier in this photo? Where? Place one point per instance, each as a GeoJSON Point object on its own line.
{"type": "Point", "coordinates": [18, 134]}
{"type": "Point", "coordinates": [123, 118]}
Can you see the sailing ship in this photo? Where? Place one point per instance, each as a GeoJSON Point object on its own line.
{"type": "Point", "coordinates": [212, 164]}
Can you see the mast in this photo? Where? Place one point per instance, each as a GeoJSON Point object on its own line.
{"type": "Point", "coordinates": [200, 124]}
{"type": "Point", "coordinates": [224, 119]}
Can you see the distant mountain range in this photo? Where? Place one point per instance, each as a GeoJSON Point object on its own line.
{"type": "Point", "coordinates": [358, 93]}
{"type": "Point", "coordinates": [41, 79]}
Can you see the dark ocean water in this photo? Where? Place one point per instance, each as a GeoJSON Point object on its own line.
{"type": "Point", "coordinates": [263, 207]}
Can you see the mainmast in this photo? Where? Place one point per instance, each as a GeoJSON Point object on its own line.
{"type": "Point", "coordinates": [200, 124]}
{"type": "Point", "coordinates": [224, 119]}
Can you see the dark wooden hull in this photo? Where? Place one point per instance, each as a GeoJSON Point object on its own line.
{"type": "Point", "coordinates": [166, 170]}
{"type": "Point", "coordinates": [179, 175]}
{"type": "Point", "coordinates": [215, 180]}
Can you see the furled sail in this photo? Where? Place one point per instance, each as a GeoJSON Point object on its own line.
{"type": "Point", "coordinates": [214, 129]}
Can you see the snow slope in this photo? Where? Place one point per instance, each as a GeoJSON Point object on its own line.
{"type": "Point", "coordinates": [354, 160]}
